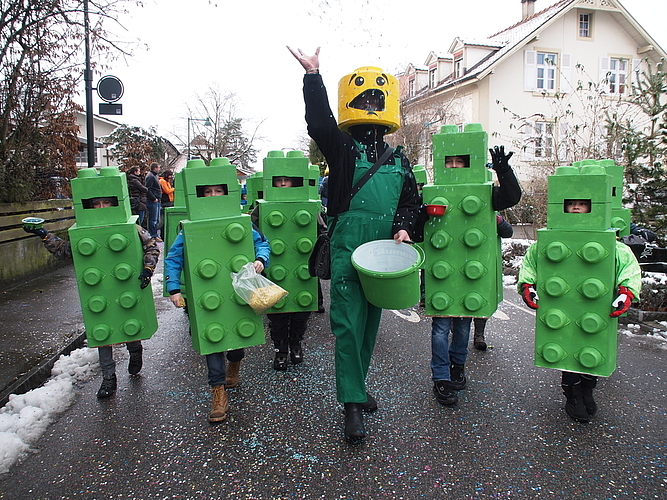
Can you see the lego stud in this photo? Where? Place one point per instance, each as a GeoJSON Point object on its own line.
{"type": "Point", "coordinates": [278, 246]}
{"type": "Point", "coordinates": [87, 246]}
{"type": "Point", "coordinates": [117, 242]}
{"type": "Point", "coordinates": [473, 238]}
{"type": "Point", "coordinates": [441, 239]}
{"type": "Point", "coordinates": [442, 270]}
{"type": "Point", "coordinates": [555, 319]}
{"type": "Point", "coordinates": [304, 299]}
{"type": "Point", "coordinates": [122, 271]}
{"type": "Point", "coordinates": [590, 357]}
{"type": "Point", "coordinates": [552, 352]}
{"type": "Point", "coordinates": [127, 300]}
{"type": "Point", "coordinates": [557, 251]}
{"type": "Point", "coordinates": [593, 288]}
{"type": "Point", "coordinates": [592, 323]}
{"type": "Point", "coordinates": [441, 301]}
{"type": "Point", "coordinates": [101, 332]}
{"type": "Point", "coordinates": [131, 327]}
{"type": "Point", "coordinates": [473, 301]}
{"type": "Point", "coordinates": [214, 332]}
{"type": "Point", "coordinates": [245, 328]}
{"type": "Point", "coordinates": [556, 286]}
{"type": "Point", "coordinates": [97, 303]}
{"type": "Point", "coordinates": [210, 301]}
{"type": "Point", "coordinates": [474, 269]}
{"type": "Point", "coordinates": [92, 276]}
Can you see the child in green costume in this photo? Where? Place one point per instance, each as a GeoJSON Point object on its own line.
{"type": "Point", "coordinates": [578, 387]}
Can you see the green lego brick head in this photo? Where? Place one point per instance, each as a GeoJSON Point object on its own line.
{"type": "Point", "coordinates": [420, 175]}
{"type": "Point", "coordinates": [211, 192]}
{"type": "Point", "coordinates": [460, 157]}
{"type": "Point", "coordinates": [255, 188]}
{"type": "Point", "coordinates": [620, 217]}
{"type": "Point", "coordinates": [572, 187]}
{"type": "Point", "coordinates": [100, 199]}
{"type": "Point", "coordinates": [286, 177]}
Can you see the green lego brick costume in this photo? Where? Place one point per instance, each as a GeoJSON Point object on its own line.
{"type": "Point", "coordinates": [576, 266]}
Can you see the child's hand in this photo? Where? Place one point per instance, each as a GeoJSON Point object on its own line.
{"type": "Point", "coordinates": [41, 232]}
{"type": "Point", "coordinates": [529, 295]}
{"type": "Point", "coordinates": [259, 266]}
{"type": "Point", "coordinates": [622, 301]}
{"type": "Point", "coordinates": [177, 299]}
{"type": "Point", "coordinates": [145, 277]}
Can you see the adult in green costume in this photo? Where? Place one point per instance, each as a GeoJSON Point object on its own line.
{"type": "Point", "coordinates": [386, 207]}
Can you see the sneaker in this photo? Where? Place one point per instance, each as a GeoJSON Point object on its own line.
{"type": "Point", "coordinates": [136, 361]}
{"type": "Point", "coordinates": [444, 392]}
{"type": "Point", "coordinates": [458, 376]}
{"type": "Point", "coordinates": [108, 387]}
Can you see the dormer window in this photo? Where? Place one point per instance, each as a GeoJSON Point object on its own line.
{"type": "Point", "coordinates": [431, 77]}
{"type": "Point", "coordinates": [411, 87]}
{"type": "Point", "coordinates": [585, 28]}
{"type": "Point", "coordinates": [458, 68]}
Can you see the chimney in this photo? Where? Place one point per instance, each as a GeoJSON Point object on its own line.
{"type": "Point", "coordinates": [527, 9]}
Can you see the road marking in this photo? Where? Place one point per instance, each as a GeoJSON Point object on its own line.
{"type": "Point", "coordinates": [412, 317]}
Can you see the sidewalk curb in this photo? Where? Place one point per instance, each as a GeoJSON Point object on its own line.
{"type": "Point", "coordinates": [40, 373]}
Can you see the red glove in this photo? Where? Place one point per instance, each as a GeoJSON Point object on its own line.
{"type": "Point", "coordinates": [622, 301]}
{"type": "Point", "coordinates": [529, 296]}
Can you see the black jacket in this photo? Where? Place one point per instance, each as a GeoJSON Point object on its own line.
{"type": "Point", "coordinates": [341, 153]}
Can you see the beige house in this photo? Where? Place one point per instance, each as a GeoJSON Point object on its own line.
{"type": "Point", "coordinates": [525, 84]}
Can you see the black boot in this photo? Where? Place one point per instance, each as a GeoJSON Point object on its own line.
{"type": "Point", "coordinates": [108, 387]}
{"type": "Point", "coordinates": [280, 360]}
{"type": "Point", "coordinates": [574, 406]}
{"type": "Point", "coordinates": [478, 338]}
{"type": "Point", "coordinates": [296, 354]}
{"type": "Point", "coordinates": [588, 383]}
{"type": "Point", "coordinates": [370, 405]}
{"type": "Point", "coordinates": [458, 376]}
{"type": "Point", "coordinates": [136, 361]}
{"type": "Point", "coordinates": [354, 423]}
{"type": "Point", "coordinates": [445, 393]}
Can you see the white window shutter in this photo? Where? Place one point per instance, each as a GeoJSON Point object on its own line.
{"type": "Point", "coordinates": [636, 67]}
{"type": "Point", "coordinates": [529, 70]}
{"type": "Point", "coordinates": [566, 73]}
{"type": "Point", "coordinates": [604, 69]}
{"type": "Point", "coordinates": [563, 145]}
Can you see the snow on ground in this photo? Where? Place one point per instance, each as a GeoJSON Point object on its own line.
{"type": "Point", "coordinates": [26, 417]}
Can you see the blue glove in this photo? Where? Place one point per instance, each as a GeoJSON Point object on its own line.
{"type": "Point", "coordinates": [145, 277]}
{"type": "Point", "coordinates": [41, 232]}
{"type": "Point", "coordinates": [500, 160]}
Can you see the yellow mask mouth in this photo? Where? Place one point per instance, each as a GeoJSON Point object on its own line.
{"type": "Point", "coordinates": [368, 96]}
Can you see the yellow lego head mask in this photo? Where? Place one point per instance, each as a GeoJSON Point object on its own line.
{"type": "Point", "coordinates": [368, 96]}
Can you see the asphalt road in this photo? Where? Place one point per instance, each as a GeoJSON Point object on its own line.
{"type": "Point", "coordinates": [508, 438]}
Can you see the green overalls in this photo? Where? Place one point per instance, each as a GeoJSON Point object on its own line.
{"type": "Point", "coordinates": [354, 321]}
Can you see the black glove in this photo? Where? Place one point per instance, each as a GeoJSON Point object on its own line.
{"type": "Point", "coordinates": [41, 232]}
{"type": "Point", "coordinates": [145, 277]}
{"type": "Point", "coordinates": [500, 160]}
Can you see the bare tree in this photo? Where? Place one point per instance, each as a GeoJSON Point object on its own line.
{"type": "Point", "coordinates": [225, 136]}
{"type": "Point", "coordinates": [41, 61]}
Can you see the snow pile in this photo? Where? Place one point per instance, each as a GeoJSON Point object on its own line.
{"type": "Point", "coordinates": [26, 417]}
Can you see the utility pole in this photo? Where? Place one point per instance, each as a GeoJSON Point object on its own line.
{"type": "Point", "coordinates": [88, 79]}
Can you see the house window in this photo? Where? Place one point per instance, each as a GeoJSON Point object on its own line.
{"type": "Point", "coordinates": [431, 78]}
{"type": "Point", "coordinates": [546, 71]}
{"type": "Point", "coordinates": [618, 71]}
{"type": "Point", "coordinates": [544, 140]}
{"type": "Point", "coordinates": [82, 155]}
{"type": "Point", "coordinates": [411, 87]}
{"type": "Point", "coordinates": [458, 68]}
{"type": "Point", "coordinates": [585, 25]}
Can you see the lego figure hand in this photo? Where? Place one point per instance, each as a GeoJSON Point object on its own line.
{"type": "Point", "coordinates": [500, 160]}
{"type": "Point", "coordinates": [622, 302]}
{"type": "Point", "coordinates": [309, 63]}
{"type": "Point", "coordinates": [529, 295]}
{"type": "Point", "coordinates": [41, 232]}
{"type": "Point", "coordinates": [145, 277]}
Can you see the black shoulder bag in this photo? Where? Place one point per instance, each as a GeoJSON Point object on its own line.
{"type": "Point", "coordinates": [319, 262]}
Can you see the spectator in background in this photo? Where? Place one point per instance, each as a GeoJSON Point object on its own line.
{"type": "Point", "coordinates": [137, 192]}
{"type": "Point", "coordinates": [153, 196]}
{"type": "Point", "coordinates": [324, 189]}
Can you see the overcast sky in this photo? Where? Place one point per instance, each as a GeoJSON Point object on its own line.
{"type": "Point", "coordinates": [240, 47]}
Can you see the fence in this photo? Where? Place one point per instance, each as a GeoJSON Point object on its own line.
{"type": "Point", "coordinates": [23, 254]}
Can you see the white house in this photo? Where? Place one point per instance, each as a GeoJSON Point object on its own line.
{"type": "Point", "coordinates": [512, 81]}
{"type": "Point", "coordinates": [101, 128]}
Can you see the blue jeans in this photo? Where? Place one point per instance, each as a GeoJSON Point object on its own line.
{"type": "Point", "coordinates": [141, 214]}
{"type": "Point", "coordinates": [153, 217]}
{"type": "Point", "coordinates": [217, 369]}
{"type": "Point", "coordinates": [444, 353]}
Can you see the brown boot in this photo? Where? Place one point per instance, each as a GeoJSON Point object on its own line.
{"type": "Point", "coordinates": [220, 405]}
{"type": "Point", "coordinates": [232, 379]}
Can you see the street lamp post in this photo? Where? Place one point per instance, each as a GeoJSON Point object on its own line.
{"type": "Point", "coordinates": [207, 123]}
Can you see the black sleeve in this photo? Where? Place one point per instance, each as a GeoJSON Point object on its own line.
{"type": "Point", "coordinates": [508, 193]}
{"type": "Point", "coordinates": [409, 202]}
{"type": "Point", "coordinates": [505, 229]}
